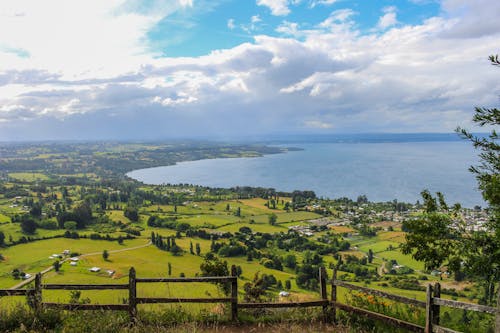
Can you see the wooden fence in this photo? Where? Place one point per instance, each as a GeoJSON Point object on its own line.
{"type": "Point", "coordinates": [432, 305]}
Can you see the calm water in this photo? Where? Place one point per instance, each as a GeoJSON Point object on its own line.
{"type": "Point", "coordinates": [382, 171]}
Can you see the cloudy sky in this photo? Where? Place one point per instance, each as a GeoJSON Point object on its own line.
{"type": "Point", "coordinates": [136, 69]}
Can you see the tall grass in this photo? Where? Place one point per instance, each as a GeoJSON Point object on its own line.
{"type": "Point", "coordinates": [174, 319]}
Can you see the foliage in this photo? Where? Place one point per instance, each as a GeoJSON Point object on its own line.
{"type": "Point", "coordinates": [431, 237]}
{"type": "Point", "coordinates": [212, 266]}
{"type": "Point", "coordinates": [28, 225]}
{"type": "Point", "coordinates": [131, 213]}
{"type": "Point", "coordinates": [438, 237]}
{"type": "Point", "coordinates": [272, 219]}
{"type": "Point", "coordinates": [255, 290]}
{"type": "Point", "coordinates": [398, 310]}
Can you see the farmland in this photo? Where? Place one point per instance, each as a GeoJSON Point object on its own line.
{"type": "Point", "coordinates": [277, 240]}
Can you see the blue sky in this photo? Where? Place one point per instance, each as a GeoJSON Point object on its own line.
{"type": "Point", "coordinates": [195, 31]}
{"type": "Point", "coordinates": [159, 69]}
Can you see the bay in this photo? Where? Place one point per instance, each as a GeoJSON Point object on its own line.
{"type": "Point", "coordinates": [381, 171]}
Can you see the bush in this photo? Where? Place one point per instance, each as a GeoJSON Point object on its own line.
{"type": "Point", "coordinates": [70, 225]}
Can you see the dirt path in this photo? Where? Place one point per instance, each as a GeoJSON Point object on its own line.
{"type": "Point", "coordinates": [48, 269]}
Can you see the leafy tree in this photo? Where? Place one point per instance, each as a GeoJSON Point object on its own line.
{"type": "Point", "coordinates": [105, 254]}
{"type": "Point", "coordinates": [56, 265]}
{"type": "Point", "coordinates": [437, 237]}
{"type": "Point", "coordinates": [169, 266]}
{"type": "Point", "coordinates": [212, 266]}
{"type": "Point", "coordinates": [198, 249]}
{"type": "Point", "coordinates": [16, 273]}
{"type": "Point", "coordinates": [272, 219]}
{"type": "Point", "coordinates": [2, 238]}
{"type": "Point", "coordinates": [131, 213]}
{"type": "Point", "coordinates": [370, 256]}
{"type": "Point", "coordinates": [28, 225]}
{"type": "Point", "coordinates": [290, 261]}
{"type": "Point", "coordinates": [256, 290]}
{"type": "Point", "coordinates": [82, 214]}
{"type": "Point", "coordinates": [176, 250]}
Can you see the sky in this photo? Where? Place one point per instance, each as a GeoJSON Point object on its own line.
{"type": "Point", "coordinates": [160, 69]}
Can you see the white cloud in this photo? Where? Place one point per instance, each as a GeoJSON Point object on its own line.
{"type": "Point", "coordinates": [425, 77]}
{"type": "Point", "coordinates": [255, 19]}
{"type": "Point", "coordinates": [277, 7]}
{"type": "Point", "coordinates": [317, 124]}
{"type": "Point", "coordinates": [338, 16]}
{"type": "Point", "coordinates": [230, 24]}
{"type": "Point", "coordinates": [289, 28]}
{"type": "Point", "coordinates": [389, 18]}
{"type": "Point", "coordinates": [186, 3]}
{"type": "Point", "coordinates": [315, 3]}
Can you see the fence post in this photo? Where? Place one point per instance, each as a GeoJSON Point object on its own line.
{"type": "Point", "coordinates": [334, 296]}
{"type": "Point", "coordinates": [234, 294]}
{"type": "Point", "coordinates": [497, 315]}
{"type": "Point", "coordinates": [324, 296]}
{"type": "Point", "coordinates": [436, 308]}
{"type": "Point", "coordinates": [38, 292]}
{"type": "Point", "coordinates": [132, 294]}
{"type": "Point", "coordinates": [428, 310]}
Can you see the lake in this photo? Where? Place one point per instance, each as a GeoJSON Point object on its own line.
{"type": "Point", "coordinates": [382, 171]}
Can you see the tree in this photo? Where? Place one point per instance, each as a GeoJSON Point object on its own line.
{"type": "Point", "coordinates": [198, 249]}
{"type": "Point", "coordinates": [176, 250]}
{"type": "Point", "coordinates": [131, 213]}
{"type": "Point", "coordinates": [56, 265]}
{"type": "Point", "coordinates": [290, 261]}
{"type": "Point", "coordinates": [82, 214]}
{"type": "Point", "coordinates": [28, 225]}
{"type": "Point", "coordinates": [438, 237]}
{"type": "Point", "coordinates": [105, 254]}
{"type": "Point", "coordinates": [2, 238]}
{"type": "Point", "coordinates": [370, 256]}
{"type": "Point", "coordinates": [212, 266]}
{"type": "Point", "coordinates": [169, 266]}
{"type": "Point", "coordinates": [272, 218]}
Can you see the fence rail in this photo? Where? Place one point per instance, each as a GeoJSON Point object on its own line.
{"type": "Point", "coordinates": [432, 305]}
{"type": "Point", "coordinates": [16, 292]}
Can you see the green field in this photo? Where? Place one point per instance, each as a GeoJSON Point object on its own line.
{"type": "Point", "coordinates": [28, 176]}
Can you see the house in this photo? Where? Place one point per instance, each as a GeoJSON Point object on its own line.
{"type": "Point", "coordinates": [74, 259]}
{"type": "Point", "coordinates": [73, 263]}
{"type": "Point", "coordinates": [284, 294]}
{"type": "Point", "coordinates": [95, 269]}
{"type": "Point", "coordinates": [26, 276]}
{"type": "Point", "coordinates": [66, 252]}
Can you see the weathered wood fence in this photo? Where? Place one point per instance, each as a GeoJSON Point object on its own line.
{"type": "Point", "coordinates": [432, 305]}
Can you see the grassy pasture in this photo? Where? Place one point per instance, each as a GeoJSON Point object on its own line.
{"type": "Point", "coordinates": [34, 257]}
{"type": "Point", "coordinates": [4, 218]}
{"type": "Point", "coordinates": [339, 229]}
{"type": "Point", "coordinates": [28, 176]}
